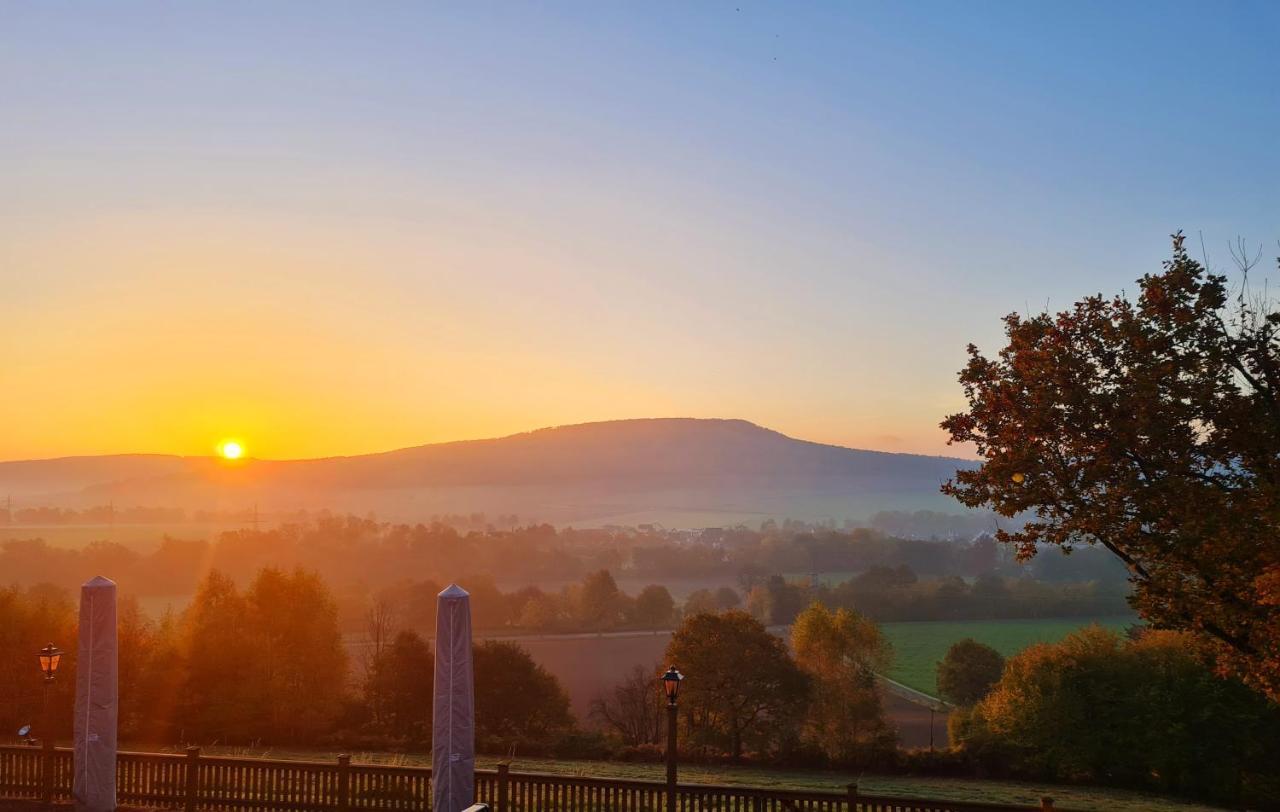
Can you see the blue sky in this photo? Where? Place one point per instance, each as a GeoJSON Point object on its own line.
{"type": "Point", "coordinates": [331, 228]}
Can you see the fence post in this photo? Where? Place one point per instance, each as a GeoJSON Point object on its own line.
{"type": "Point", "coordinates": [46, 771]}
{"type": "Point", "coordinates": [853, 796]}
{"type": "Point", "coordinates": [1046, 804]}
{"type": "Point", "coordinates": [193, 779]}
{"type": "Point", "coordinates": [344, 782]}
{"type": "Point", "coordinates": [504, 774]}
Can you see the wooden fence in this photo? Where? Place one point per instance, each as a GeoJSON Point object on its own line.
{"type": "Point", "coordinates": [197, 783]}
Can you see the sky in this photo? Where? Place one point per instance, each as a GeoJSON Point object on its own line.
{"type": "Point", "coordinates": [335, 228]}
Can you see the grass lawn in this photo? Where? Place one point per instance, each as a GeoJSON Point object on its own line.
{"type": "Point", "coordinates": [919, 646]}
{"type": "Point", "coordinates": [1012, 792]}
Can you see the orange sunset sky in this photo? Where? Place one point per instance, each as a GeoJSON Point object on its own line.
{"type": "Point", "coordinates": [330, 231]}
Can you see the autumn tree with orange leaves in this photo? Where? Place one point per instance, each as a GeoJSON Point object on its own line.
{"type": "Point", "coordinates": [1152, 428]}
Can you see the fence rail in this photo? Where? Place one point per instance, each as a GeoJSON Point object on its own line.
{"type": "Point", "coordinates": [198, 783]}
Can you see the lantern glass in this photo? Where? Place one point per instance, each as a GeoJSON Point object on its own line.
{"type": "Point", "coordinates": [671, 684]}
{"type": "Point", "coordinates": [50, 656]}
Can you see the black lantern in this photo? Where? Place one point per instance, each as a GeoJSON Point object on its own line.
{"type": "Point", "coordinates": [671, 684]}
{"type": "Point", "coordinates": [49, 657]}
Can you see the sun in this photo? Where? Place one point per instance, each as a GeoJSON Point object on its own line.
{"type": "Point", "coordinates": [231, 450]}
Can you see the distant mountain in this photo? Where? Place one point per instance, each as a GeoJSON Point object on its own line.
{"type": "Point", "coordinates": [677, 471]}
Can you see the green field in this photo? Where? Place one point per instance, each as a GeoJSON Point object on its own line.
{"type": "Point", "coordinates": [918, 646]}
{"type": "Point", "coordinates": [1084, 799]}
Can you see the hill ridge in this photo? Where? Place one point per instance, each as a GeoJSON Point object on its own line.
{"type": "Point", "coordinates": [636, 465]}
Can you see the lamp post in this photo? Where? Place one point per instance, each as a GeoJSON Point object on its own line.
{"type": "Point", "coordinates": [671, 688]}
{"type": "Point", "coordinates": [49, 657]}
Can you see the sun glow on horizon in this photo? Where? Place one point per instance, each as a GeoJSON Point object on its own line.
{"type": "Point", "coordinates": [230, 450]}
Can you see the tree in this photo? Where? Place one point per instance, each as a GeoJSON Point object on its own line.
{"type": "Point", "coordinates": [264, 665]}
{"type": "Point", "coordinates": [397, 690]}
{"type": "Point", "coordinates": [221, 697]}
{"type": "Point", "coordinates": [991, 592]}
{"type": "Point", "coordinates": [162, 677]}
{"type": "Point", "coordinates": [380, 630]}
{"type": "Point", "coordinates": [968, 671]}
{"type": "Point", "coordinates": [747, 690]}
{"type": "Point", "coordinates": [1097, 707]}
{"type": "Point", "coordinates": [759, 603]}
{"type": "Point", "coordinates": [301, 662]}
{"type": "Point", "coordinates": [1151, 428]}
{"type": "Point", "coordinates": [701, 601]}
{"type": "Point", "coordinates": [654, 608]}
{"type": "Point", "coordinates": [841, 652]}
{"type": "Point", "coordinates": [634, 710]}
{"type": "Point", "coordinates": [380, 623]}
{"type": "Point", "coordinates": [30, 618]}
{"type": "Point", "coordinates": [727, 598]}
{"type": "Point", "coordinates": [786, 600]}
{"type": "Point", "coordinates": [517, 700]}
{"type": "Point", "coordinates": [540, 612]}
{"type": "Point", "coordinates": [134, 636]}
{"type": "Point", "coordinates": [599, 602]}
{"type": "Point", "coordinates": [880, 579]}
